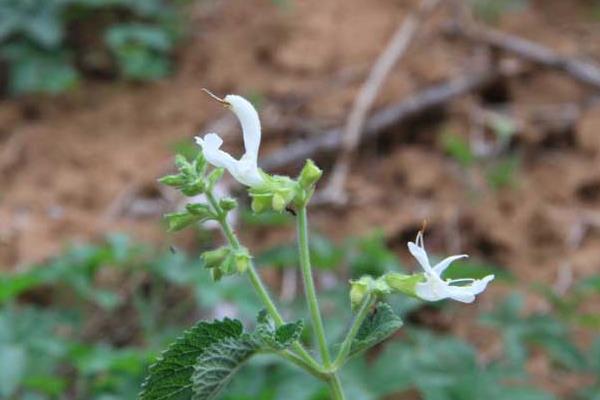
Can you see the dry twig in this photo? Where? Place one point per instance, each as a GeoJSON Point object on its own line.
{"type": "Point", "coordinates": [582, 71]}
{"type": "Point", "coordinates": [396, 48]}
{"type": "Point", "coordinates": [427, 99]}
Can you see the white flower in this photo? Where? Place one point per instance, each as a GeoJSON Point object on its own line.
{"type": "Point", "coordinates": [245, 170]}
{"type": "Point", "coordinates": [435, 288]}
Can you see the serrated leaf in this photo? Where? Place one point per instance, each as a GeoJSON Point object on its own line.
{"type": "Point", "coordinates": [287, 334]}
{"type": "Point", "coordinates": [170, 377]}
{"type": "Point", "coordinates": [277, 338]}
{"type": "Point", "coordinates": [216, 366]}
{"type": "Point", "coordinates": [378, 326]}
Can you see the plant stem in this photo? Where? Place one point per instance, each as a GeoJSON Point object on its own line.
{"type": "Point", "coordinates": [295, 359]}
{"type": "Point", "coordinates": [362, 313]}
{"type": "Point", "coordinates": [309, 287]}
{"type": "Point", "coordinates": [256, 282]}
{"type": "Point", "coordinates": [335, 387]}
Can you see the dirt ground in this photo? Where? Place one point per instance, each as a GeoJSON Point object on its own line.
{"type": "Point", "coordinates": [85, 163]}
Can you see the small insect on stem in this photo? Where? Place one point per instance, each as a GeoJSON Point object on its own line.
{"type": "Point", "coordinates": [291, 211]}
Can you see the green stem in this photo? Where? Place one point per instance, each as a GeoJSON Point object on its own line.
{"type": "Point", "coordinates": [335, 387]}
{"type": "Point", "coordinates": [309, 287]}
{"type": "Point", "coordinates": [362, 313]}
{"type": "Point", "coordinates": [256, 282]}
{"type": "Point", "coordinates": [295, 359]}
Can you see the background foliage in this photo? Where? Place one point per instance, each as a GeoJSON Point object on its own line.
{"type": "Point", "coordinates": [47, 46]}
{"type": "Point", "coordinates": [67, 330]}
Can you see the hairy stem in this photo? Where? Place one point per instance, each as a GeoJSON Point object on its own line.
{"type": "Point", "coordinates": [309, 287]}
{"type": "Point", "coordinates": [362, 313]}
{"type": "Point", "coordinates": [256, 282]}
{"type": "Point", "coordinates": [335, 387]}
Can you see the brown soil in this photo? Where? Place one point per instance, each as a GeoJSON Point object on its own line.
{"type": "Point", "coordinates": [85, 163]}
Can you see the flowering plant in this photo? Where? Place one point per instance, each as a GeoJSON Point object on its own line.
{"type": "Point", "coordinates": [204, 359]}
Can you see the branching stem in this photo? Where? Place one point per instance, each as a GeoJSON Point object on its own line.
{"type": "Point", "coordinates": [309, 363]}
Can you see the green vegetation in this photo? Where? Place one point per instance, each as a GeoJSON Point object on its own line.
{"type": "Point", "coordinates": [89, 323]}
{"type": "Point", "coordinates": [492, 10]}
{"type": "Point", "coordinates": [48, 45]}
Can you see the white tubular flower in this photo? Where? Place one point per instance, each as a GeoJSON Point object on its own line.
{"type": "Point", "coordinates": [245, 170]}
{"type": "Point", "coordinates": [435, 288]}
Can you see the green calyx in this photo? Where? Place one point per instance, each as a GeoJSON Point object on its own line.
{"type": "Point", "coordinates": [401, 283]}
{"type": "Point", "coordinates": [392, 282]}
{"type": "Point", "coordinates": [364, 286]}
{"type": "Point", "coordinates": [278, 192]}
{"type": "Point", "coordinates": [274, 194]}
{"type": "Point", "coordinates": [226, 261]}
{"type": "Point", "coordinates": [309, 175]}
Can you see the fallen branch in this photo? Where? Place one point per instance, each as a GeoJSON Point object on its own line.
{"type": "Point", "coordinates": [427, 99]}
{"type": "Point", "coordinates": [394, 51]}
{"type": "Point", "coordinates": [582, 71]}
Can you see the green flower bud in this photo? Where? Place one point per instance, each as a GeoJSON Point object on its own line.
{"type": "Point", "coordinates": [179, 220]}
{"type": "Point", "coordinates": [195, 187]}
{"type": "Point", "coordinates": [227, 203]}
{"type": "Point", "coordinates": [309, 175]}
{"type": "Point", "coordinates": [181, 161]}
{"type": "Point", "coordinates": [402, 283]}
{"type": "Point", "coordinates": [214, 177]}
{"type": "Point", "coordinates": [200, 164]}
{"type": "Point", "coordinates": [278, 202]}
{"type": "Point", "coordinates": [202, 211]}
{"type": "Point", "coordinates": [216, 274]}
{"type": "Point", "coordinates": [366, 285]}
{"type": "Point", "coordinates": [229, 267]}
{"type": "Point", "coordinates": [242, 260]}
{"type": "Point", "coordinates": [260, 203]}
{"type": "Point", "coordinates": [214, 258]}
{"type": "Point", "coordinates": [172, 180]}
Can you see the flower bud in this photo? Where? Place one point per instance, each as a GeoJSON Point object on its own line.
{"type": "Point", "coordinates": [228, 203]}
{"type": "Point", "coordinates": [179, 220]}
{"type": "Point", "coordinates": [214, 177]}
{"type": "Point", "coordinates": [242, 260]}
{"type": "Point", "coordinates": [309, 175]}
{"type": "Point", "coordinates": [214, 258]}
{"type": "Point", "coordinates": [278, 202]}
{"type": "Point", "coordinates": [200, 210]}
{"type": "Point", "coordinates": [260, 203]}
{"type": "Point", "coordinates": [358, 290]}
{"type": "Point", "coordinates": [172, 180]}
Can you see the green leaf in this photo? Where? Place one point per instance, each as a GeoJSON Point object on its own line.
{"type": "Point", "coordinates": [170, 377]}
{"type": "Point", "coordinates": [216, 366]}
{"type": "Point", "coordinates": [277, 338]}
{"type": "Point", "coordinates": [378, 326]}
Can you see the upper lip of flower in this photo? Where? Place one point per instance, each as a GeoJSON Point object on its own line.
{"type": "Point", "coordinates": [436, 288]}
{"type": "Point", "coordinates": [245, 170]}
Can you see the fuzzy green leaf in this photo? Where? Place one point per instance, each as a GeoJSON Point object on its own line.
{"type": "Point", "coordinates": [378, 326]}
{"type": "Point", "coordinates": [170, 377]}
{"type": "Point", "coordinates": [216, 366]}
{"type": "Point", "coordinates": [277, 338]}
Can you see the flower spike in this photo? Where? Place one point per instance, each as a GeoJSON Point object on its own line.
{"type": "Point", "coordinates": [435, 288]}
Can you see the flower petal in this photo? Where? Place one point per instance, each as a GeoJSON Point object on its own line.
{"type": "Point", "coordinates": [433, 289]}
{"type": "Point", "coordinates": [210, 148]}
{"type": "Point", "coordinates": [420, 254]}
{"type": "Point", "coordinates": [250, 122]}
{"type": "Point", "coordinates": [440, 267]}
{"type": "Point", "coordinates": [480, 284]}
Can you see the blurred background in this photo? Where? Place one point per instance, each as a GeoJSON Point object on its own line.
{"type": "Point", "coordinates": [480, 117]}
